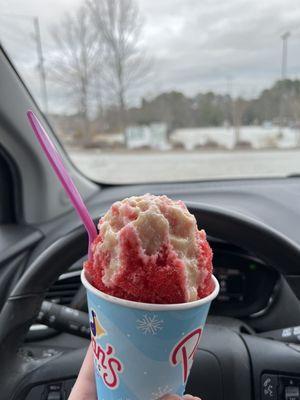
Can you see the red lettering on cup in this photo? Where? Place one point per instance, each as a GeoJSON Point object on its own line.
{"type": "Point", "coordinates": [184, 351]}
{"type": "Point", "coordinates": [99, 353]}
{"type": "Point", "coordinates": [111, 378]}
{"type": "Point", "coordinates": [109, 366]}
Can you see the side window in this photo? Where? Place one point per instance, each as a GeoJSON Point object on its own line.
{"type": "Point", "coordinates": [8, 182]}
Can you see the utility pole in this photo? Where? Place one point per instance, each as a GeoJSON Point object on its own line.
{"type": "Point", "coordinates": [235, 110]}
{"type": "Point", "coordinates": [228, 85]}
{"type": "Point", "coordinates": [284, 38]}
{"type": "Point", "coordinates": [282, 105]}
{"type": "Point", "coordinates": [39, 49]}
{"type": "Point", "coordinates": [229, 108]}
{"type": "Point", "coordinates": [236, 120]}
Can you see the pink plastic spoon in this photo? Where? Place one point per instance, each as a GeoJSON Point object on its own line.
{"type": "Point", "coordinates": [65, 179]}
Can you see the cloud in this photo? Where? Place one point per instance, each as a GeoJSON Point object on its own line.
{"type": "Point", "coordinates": [203, 43]}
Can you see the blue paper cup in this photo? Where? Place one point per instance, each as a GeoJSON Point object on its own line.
{"type": "Point", "coordinates": [143, 351]}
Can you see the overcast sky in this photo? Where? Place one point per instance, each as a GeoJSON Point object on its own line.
{"type": "Point", "coordinates": [197, 45]}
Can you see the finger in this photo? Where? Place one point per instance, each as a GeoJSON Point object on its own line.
{"type": "Point", "coordinates": [85, 387]}
{"type": "Point", "coordinates": [190, 397]}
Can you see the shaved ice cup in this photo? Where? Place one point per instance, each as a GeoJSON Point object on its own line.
{"type": "Point", "coordinates": [143, 351]}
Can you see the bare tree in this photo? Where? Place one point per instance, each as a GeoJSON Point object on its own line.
{"type": "Point", "coordinates": [119, 26]}
{"type": "Point", "coordinates": [75, 61]}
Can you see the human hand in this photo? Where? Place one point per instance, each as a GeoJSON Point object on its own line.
{"type": "Point", "coordinates": [85, 388]}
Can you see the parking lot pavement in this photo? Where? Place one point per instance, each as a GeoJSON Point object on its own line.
{"type": "Point", "coordinates": [146, 166]}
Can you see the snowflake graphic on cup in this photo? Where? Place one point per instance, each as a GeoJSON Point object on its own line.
{"type": "Point", "coordinates": [149, 324]}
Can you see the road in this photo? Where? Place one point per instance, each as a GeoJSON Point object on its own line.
{"type": "Point", "coordinates": [145, 166]}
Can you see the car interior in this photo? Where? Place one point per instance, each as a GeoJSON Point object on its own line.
{"type": "Point", "coordinates": [250, 347]}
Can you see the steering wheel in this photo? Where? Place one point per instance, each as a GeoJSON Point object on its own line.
{"type": "Point", "coordinates": [228, 365]}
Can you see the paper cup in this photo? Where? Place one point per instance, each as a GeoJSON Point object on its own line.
{"type": "Point", "coordinates": [143, 351]}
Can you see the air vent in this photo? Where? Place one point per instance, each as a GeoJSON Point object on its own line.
{"type": "Point", "coordinates": [64, 289]}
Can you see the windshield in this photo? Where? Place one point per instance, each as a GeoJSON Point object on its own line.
{"type": "Point", "coordinates": [168, 90]}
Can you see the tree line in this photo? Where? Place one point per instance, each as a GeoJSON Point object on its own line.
{"type": "Point", "coordinates": [279, 104]}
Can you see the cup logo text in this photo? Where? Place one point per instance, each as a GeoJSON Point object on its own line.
{"type": "Point", "coordinates": [107, 364]}
{"type": "Point", "coordinates": [183, 353]}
